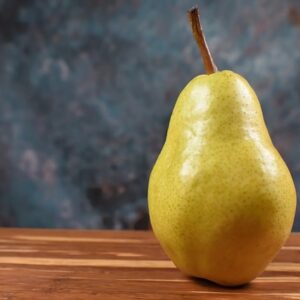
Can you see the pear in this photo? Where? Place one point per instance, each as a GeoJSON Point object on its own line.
{"type": "Point", "coordinates": [221, 199]}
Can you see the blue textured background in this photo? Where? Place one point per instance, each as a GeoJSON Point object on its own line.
{"type": "Point", "coordinates": [87, 88]}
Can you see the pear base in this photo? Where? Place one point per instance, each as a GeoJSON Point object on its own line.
{"type": "Point", "coordinates": [210, 282]}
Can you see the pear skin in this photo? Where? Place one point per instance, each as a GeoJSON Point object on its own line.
{"type": "Point", "coordinates": [221, 199]}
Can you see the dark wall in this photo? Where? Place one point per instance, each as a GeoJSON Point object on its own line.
{"type": "Point", "coordinates": [87, 88]}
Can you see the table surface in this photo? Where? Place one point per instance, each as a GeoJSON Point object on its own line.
{"type": "Point", "coordinates": [70, 264]}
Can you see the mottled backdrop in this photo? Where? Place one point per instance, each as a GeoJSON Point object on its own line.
{"type": "Point", "coordinates": [87, 88]}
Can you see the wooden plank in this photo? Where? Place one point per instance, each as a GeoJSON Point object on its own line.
{"type": "Point", "coordinates": [77, 264]}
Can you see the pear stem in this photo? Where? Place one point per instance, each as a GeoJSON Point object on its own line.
{"type": "Point", "coordinates": [209, 65]}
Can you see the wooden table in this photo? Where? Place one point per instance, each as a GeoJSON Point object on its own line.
{"type": "Point", "coordinates": [62, 264]}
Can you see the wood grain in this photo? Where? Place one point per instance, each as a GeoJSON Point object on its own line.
{"type": "Point", "coordinates": [70, 264]}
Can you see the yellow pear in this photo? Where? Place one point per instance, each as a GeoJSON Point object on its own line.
{"type": "Point", "coordinates": [221, 199]}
